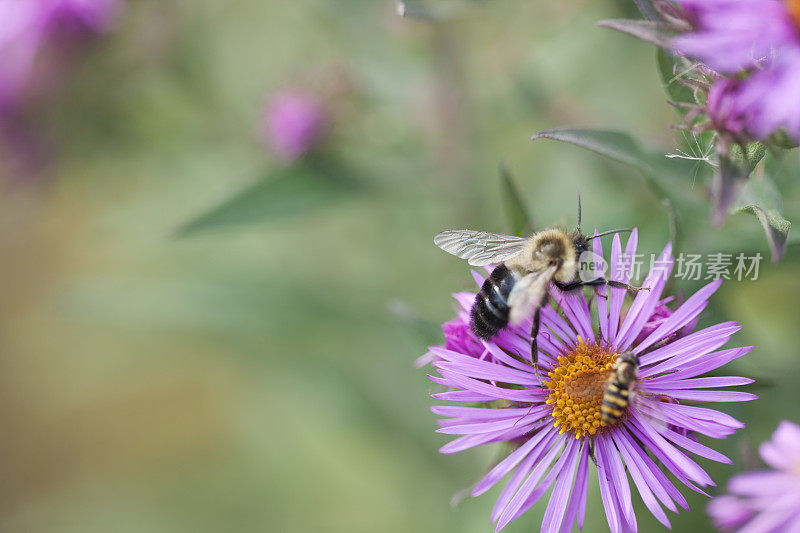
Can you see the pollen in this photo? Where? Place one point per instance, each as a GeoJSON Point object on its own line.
{"type": "Point", "coordinates": [576, 388]}
{"type": "Point", "coordinates": [794, 10]}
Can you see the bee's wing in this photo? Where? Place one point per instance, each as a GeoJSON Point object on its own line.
{"type": "Point", "coordinates": [479, 248]}
{"type": "Point", "coordinates": [650, 407]}
{"type": "Point", "coordinates": [528, 294]}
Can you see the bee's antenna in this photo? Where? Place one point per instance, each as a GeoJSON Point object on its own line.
{"type": "Point", "coordinates": [579, 211]}
{"type": "Point", "coordinates": [612, 231]}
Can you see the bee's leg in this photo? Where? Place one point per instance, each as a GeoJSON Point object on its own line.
{"type": "Point", "coordinates": [534, 344]}
{"type": "Point", "coordinates": [566, 287]}
{"type": "Point", "coordinates": [592, 456]}
{"type": "Point", "coordinates": [626, 286]}
{"type": "Point", "coordinates": [597, 282]}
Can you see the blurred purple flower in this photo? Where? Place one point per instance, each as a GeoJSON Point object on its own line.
{"type": "Point", "coordinates": [766, 501]}
{"type": "Point", "coordinates": [28, 25]}
{"type": "Point", "coordinates": [293, 123]}
{"type": "Point", "coordinates": [758, 36]}
{"type": "Point", "coordinates": [723, 109]}
{"type": "Point", "coordinates": [557, 423]}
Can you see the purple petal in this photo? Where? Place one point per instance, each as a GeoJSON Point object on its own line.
{"type": "Point", "coordinates": [471, 441]}
{"type": "Point", "coordinates": [536, 414]}
{"type": "Point", "coordinates": [576, 507]}
{"type": "Point", "coordinates": [519, 474]}
{"type": "Point", "coordinates": [666, 385]}
{"type": "Point", "coordinates": [713, 396]}
{"type": "Point", "coordinates": [693, 343]}
{"type": "Point", "coordinates": [509, 463]}
{"type": "Point", "coordinates": [618, 476]}
{"type": "Point", "coordinates": [491, 371]}
{"type": "Point", "coordinates": [694, 447]}
{"type": "Point", "coordinates": [478, 413]}
{"type": "Point", "coordinates": [577, 312]}
{"type": "Point", "coordinates": [459, 395]}
{"type": "Point", "coordinates": [664, 490]}
{"type": "Point", "coordinates": [638, 477]}
{"type": "Point", "coordinates": [645, 301]}
{"type": "Point", "coordinates": [506, 359]}
{"type": "Point", "coordinates": [604, 477]}
{"type": "Point", "coordinates": [667, 453]}
{"type": "Point", "coordinates": [718, 425]}
{"type": "Point", "coordinates": [529, 485]}
{"type": "Point", "coordinates": [557, 507]}
{"type": "Point", "coordinates": [553, 321]}
{"type": "Point", "coordinates": [616, 295]}
{"type": "Point", "coordinates": [683, 315]}
{"type": "Point", "coordinates": [486, 389]}
{"type": "Point", "coordinates": [601, 303]}
{"type": "Point", "coordinates": [783, 451]}
{"type": "Point", "coordinates": [706, 364]}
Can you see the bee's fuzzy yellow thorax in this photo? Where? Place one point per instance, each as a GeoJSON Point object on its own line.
{"type": "Point", "coordinates": [551, 247]}
{"type": "Point", "coordinates": [576, 388]}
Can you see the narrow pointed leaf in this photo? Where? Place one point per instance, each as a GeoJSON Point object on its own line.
{"type": "Point", "coordinates": [646, 30]}
{"type": "Point", "coordinates": [668, 177]}
{"type": "Point", "coordinates": [519, 221]}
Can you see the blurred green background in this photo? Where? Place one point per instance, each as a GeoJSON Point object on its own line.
{"type": "Point", "coordinates": [261, 378]}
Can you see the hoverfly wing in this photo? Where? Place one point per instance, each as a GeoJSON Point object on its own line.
{"type": "Point", "coordinates": [650, 407]}
{"type": "Point", "coordinates": [479, 248]}
{"type": "Point", "coordinates": [528, 294]}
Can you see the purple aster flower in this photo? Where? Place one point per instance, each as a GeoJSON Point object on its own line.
{"type": "Point", "coordinates": [557, 423]}
{"type": "Point", "coordinates": [28, 25]}
{"type": "Point", "coordinates": [293, 122]}
{"type": "Point", "coordinates": [769, 500]}
{"type": "Point", "coordinates": [758, 36]}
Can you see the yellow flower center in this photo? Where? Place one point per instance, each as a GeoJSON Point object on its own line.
{"type": "Point", "coordinates": [794, 10]}
{"type": "Point", "coordinates": [576, 388]}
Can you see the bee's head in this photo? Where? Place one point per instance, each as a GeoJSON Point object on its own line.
{"type": "Point", "coordinates": [581, 242]}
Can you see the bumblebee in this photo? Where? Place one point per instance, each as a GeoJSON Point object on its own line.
{"type": "Point", "coordinates": [519, 286]}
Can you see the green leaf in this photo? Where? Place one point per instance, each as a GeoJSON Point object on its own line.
{"type": "Point", "coordinates": [755, 153]}
{"type": "Point", "coordinates": [613, 144]}
{"type": "Point", "coordinates": [519, 221]}
{"type": "Point", "coordinates": [671, 69]}
{"type": "Point", "coordinates": [781, 139]}
{"type": "Point", "coordinates": [646, 30]}
{"type": "Point", "coordinates": [734, 169]}
{"type": "Point", "coordinates": [761, 198]}
{"type": "Point", "coordinates": [303, 187]}
{"type": "Point", "coordinates": [670, 177]}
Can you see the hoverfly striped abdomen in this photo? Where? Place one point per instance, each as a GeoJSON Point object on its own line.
{"type": "Point", "coordinates": [491, 310]}
{"type": "Point", "coordinates": [617, 391]}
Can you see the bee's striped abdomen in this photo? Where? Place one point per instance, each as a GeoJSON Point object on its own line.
{"type": "Point", "coordinates": [490, 310]}
{"type": "Point", "coordinates": [615, 396]}
{"type": "Point", "coordinates": [615, 401]}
